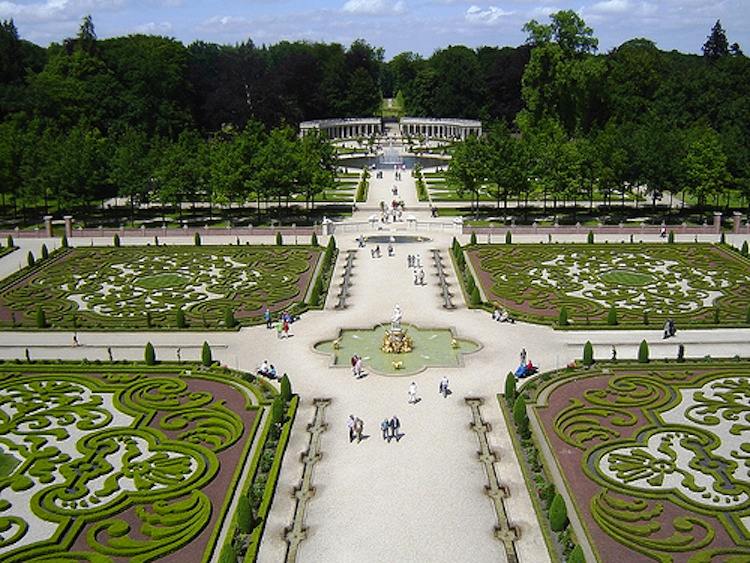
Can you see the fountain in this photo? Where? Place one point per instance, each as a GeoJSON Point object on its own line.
{"type": "Point", "coordinates": [395, 340]}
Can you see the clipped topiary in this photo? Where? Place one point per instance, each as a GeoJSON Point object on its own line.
{"type": "Point", "coordinates": [520, 416]}
{"type": "Point", "coordinates": [558, 514]}
{"type": "Point", "coordinates": [563, 320]}
{"type": "Point", "coordinates": [612, 316]}
{"type": "Point", "coordinates": [331, 244]}
{"type": "Point", "coordinates": [229, 320]}
{"type": "Point", "coordinates": [670, 237]}
{"type": "Point", "coordinates": [277, 410]}
{"type": "Point", "coordinates": [197, 239]}
{"type": "Point", "coordinates": [116, 240]}
{"type": "Point", "coordinates": [228, 554]}
{"type": "Point", "coordinates": [590, 237]}
{"type": "Point", "coordinates": [149, 354]}
{"type": "Point", "coordinates": [9, 241]}
{"type": "Point", "coordinates": [547, 494]}
{"type": "Point", "coordinates": [206, 357]}
{"type": "Point", "coordinates": [643, 352]}
{"type": "Point", "coordinates": [41, 318]}
{"type": "Point", "coordinates": [681, 353]}
{"type": "Point", "coordinates": [508, 237]}
{"type": "Point", "coordinates": [744, 249]}
{"type": "Point", "coordinates": [470, 285]}
{"type": "Point", "coordinates": [314, 240]}
{"type": "Point", "coordinates": [149, 321]}
{"type": "Point", "coordinates": [30, 258]}
{"type": "Point", "coordinates": [475, 298]}
{"type": "Point", "coordinates": [576, 555]}
{"type": "Point", "coordinates": [645, 316]}
{"type": "Point", "coordinates": [45, 252]}
{"type": "Point", "coordinates": [473, 238]}
{"type": "Point", "coordinates": [315, 294]}
{"type": "Point", "coordinates": [722, 239]}
{"type": "Point", "coordinates": [64, 241]}
{"type": "Point", "coordinates": [747, 315]}
{"type": "Point", "coordinates": [510, 388]}
{"type": "Point", "coordinates": [285, 389]}
{"type": "Point", "coordinates": [244, 515]}
{"type": "Point", "coordinates": [588, 353]}
{"type": "Point", "coordinates": [180, 318]}
{"type": "Point", "coordinates": [717, 315]}
{"type": "Point", "coordinates": [279, 239]}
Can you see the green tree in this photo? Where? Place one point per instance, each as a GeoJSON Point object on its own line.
{"type": "Point", "coordinates": [244, 515]}
{"type": "Point", "coordinates": [716, 46]}
{"type": "Point", "coordinates": [705, 165]}
{"type": "Point", "coordinates": [563, 319]}
{"type": "Point", "coordinates": [567, 29]}
{"type": "Point", "coordinates": [467, 169]}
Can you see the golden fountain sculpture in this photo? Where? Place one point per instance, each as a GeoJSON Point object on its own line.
{"type": "Point", "coordinates": [395, 340]}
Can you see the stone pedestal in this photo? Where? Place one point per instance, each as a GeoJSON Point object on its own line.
{"type": "Point", "coordinates": [48, 225]}
{"type": "Point", "coordinates": [717, 221]}
{"type": "Point", "coordinates": [68, 225]}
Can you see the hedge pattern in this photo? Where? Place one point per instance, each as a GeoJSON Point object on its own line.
{"type": "Point", "coordinates": [118, 455]}
{"type": "Point", "coordinates": [623, 284]}
{"type": "Point", "coordinates": [662, 456]}
{"type": "Point", "coordinates": [136, 288]}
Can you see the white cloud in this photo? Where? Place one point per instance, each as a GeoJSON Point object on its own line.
{"type": "Point", "coordinates": [612, 7]}
{"type": "Point", "coordinates": [154, 28]}
{"type": "Point", "coordinates": [54, 9]}
{"type": "Point", "coordinates": [489, 16]}
{"type": "Point", "coordinates": [374, 7]}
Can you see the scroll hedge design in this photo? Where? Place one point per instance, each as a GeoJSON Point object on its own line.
{"type": "Point", "coordinates": [655, 456]}
{"type": "Point", "coordinates": [159, 287]}
{"type": "Point", "coordinates": [639, 284]}
{"type": "Point", "coordinates": [119, 456]}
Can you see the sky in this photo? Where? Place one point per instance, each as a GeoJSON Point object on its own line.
{"type": "Point", "coordinates": [421, 26]}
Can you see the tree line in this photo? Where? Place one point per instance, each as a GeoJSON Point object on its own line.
{"type": "Point", "coordinates": [636, 116]}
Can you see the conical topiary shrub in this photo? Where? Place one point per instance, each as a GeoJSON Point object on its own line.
{"type": "Point", "coordinates": [30, 258]}
{"type": "Point", "coordinates": [116, 241]}
{"type": "Point", "coordinates": [149, 354]}
{"type": "Point", "coordinates": [510, 388]}
{"type": "Point", "coordinates": [520, 416]}
{"type": "Point", "coordinates": [180, 318]}
{"type": "Point", "coordinates": [475, 298]}
{"type": "Point", "coordinates": [588, 353]}
{"type": "Point", "coordinates": [558, 514]}
{"type": "Point", "coordinates": [206, 356]}
{"type": "Point", "coordinates": [508, 237]}
{"type": "Point", "coordinates": [285, 389]}
{"type": "Point", "coordinates": [45, 252]}
{"type": "Point", "coordinates": [197, 239]}
{"type": "Point", "coordinates": [612, 316]}
{"type": "Point", "coordinates": [279, 239]}
{"type": "Point", "coordinates": [643, 352]}
{"type": "Point", "coordinates": [473, 238]}
{"type": "Point", "coordinates": [41, 318]}
{"type": "Point", "coordinates": [563, 320]}
{"type": "Point", "coordinates": [744, 249]}
{"type": "Point", "coordinates": [590, 237]}
{"type": "Point", "coordinates": [229, 320]}
{"type": "Point", "coordinates": [314, 240]}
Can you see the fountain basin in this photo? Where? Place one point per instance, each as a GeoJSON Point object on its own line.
{"type": "Point", "coordinates": [433, 347]}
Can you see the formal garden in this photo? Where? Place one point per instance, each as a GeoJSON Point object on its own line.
{"type": "Point", "coordinates": [164, 287]}
{"type": "Point", "coordinates": [653, 455]}
{"type": "Point", "coordinates": [614, 285]}
{"type": "Point", "coordinates": [107, 462]}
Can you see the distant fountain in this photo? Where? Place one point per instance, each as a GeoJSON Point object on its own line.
{"type": "Point", "coordinates": [391, 155]}
{"type": "Point", "coordinates": [396, 341]}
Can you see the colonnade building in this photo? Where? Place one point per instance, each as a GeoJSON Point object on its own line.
{"type": "Point", "coordinates": [427, 127]}
{"type": "Point", "coordinates": [346, 128]}
{"type": "Point", "coordinates": [439, 128]}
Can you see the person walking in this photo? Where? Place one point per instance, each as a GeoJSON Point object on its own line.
{"type": "Point", "coordinates": [395, 427]}
{"type": "Point", "coordinates": [384, 426]}
{"type": "Point", "coordinates": [109, 353]}
{"type": "Point", "coordinates": [443, 389]}
{"type": "Point", "coordinates": [75, 340]}
{"type": "Point", "coordinates": [350, 426]}
{"type": "Point", "coordinates": [523, 356]}
{"type": "Point", "coordinates": [267, 317]}
{"type": "Point", "coordinates": [421, 277]}
{"type": "Point", "coordinates": [359, 427]}
{"type": "Point", "coordinates": [285, 328]}
{"type": "Point", "coordinates": [279, 329]}
{"type": "Point", "coordinates": [412, 393]}
{"type": "Point", "coordinates": [358, 367]}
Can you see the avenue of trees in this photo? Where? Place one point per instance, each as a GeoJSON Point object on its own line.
{"type": "Point", "coordinates": [150, 119]}
{"type": "Point", "coordinates": [636, 116]}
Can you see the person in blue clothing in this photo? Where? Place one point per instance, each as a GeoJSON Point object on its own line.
{"type": "Point", "coordinates": [267, 317]}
